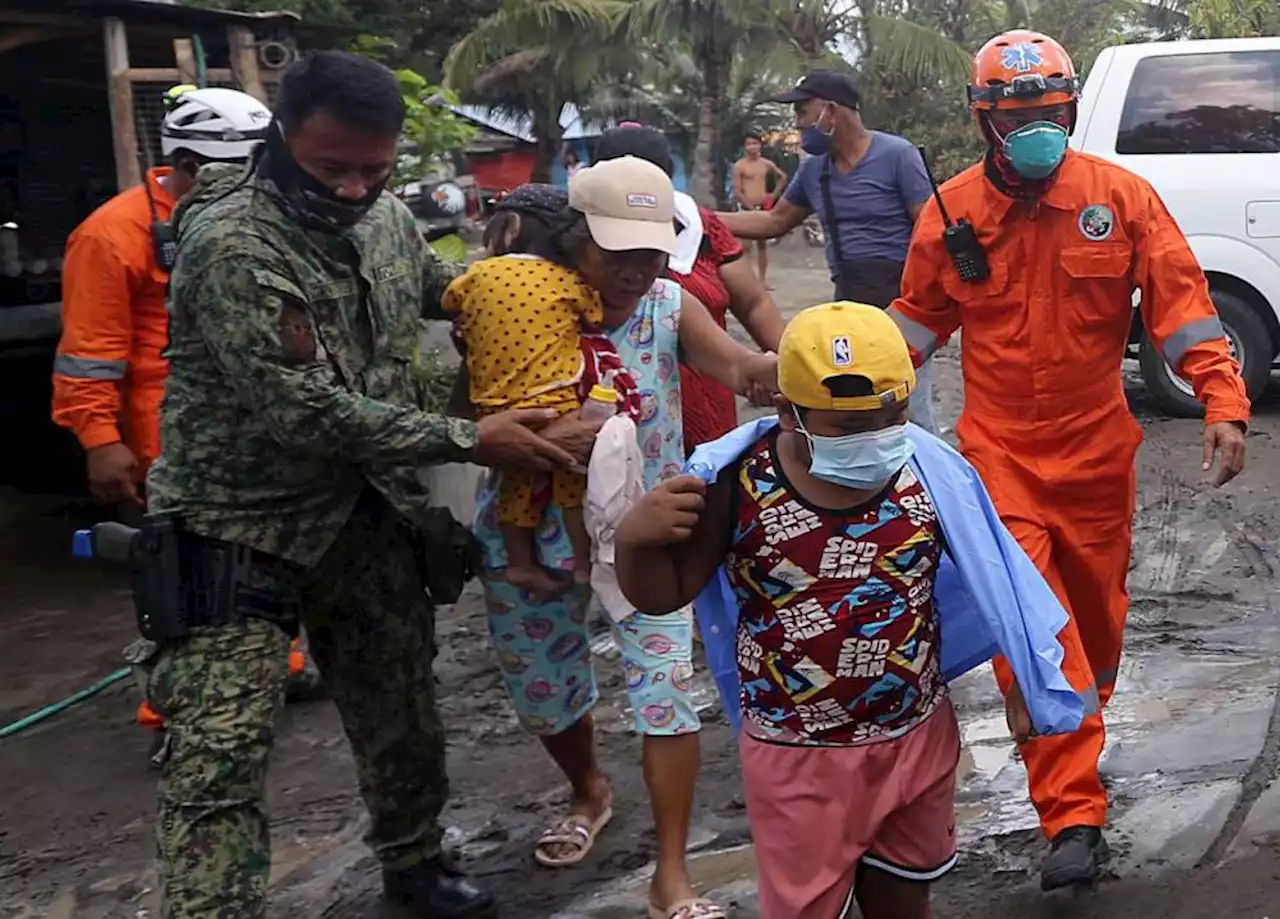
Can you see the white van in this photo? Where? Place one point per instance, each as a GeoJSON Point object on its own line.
{"type": "Point", "coordinates": [1200, 120]}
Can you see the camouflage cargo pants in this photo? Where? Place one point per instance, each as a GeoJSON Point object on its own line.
{"type": "Point", "coordinates": [371, 631]}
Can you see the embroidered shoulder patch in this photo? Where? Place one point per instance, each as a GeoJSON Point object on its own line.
{"type": "Point", "coordinates": [1096, 222]}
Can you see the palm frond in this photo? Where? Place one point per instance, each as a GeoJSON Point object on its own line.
{"type": "Point", "coordinates": [916, 51]}
{"type": "Point", "coordinates": [521, 23]}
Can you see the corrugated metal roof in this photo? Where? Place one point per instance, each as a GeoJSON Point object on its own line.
{"type": "Point", "coordinates": [521, 127]}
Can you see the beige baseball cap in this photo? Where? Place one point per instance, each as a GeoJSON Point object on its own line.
{"type": "Point", "coordinates": [629, 204]}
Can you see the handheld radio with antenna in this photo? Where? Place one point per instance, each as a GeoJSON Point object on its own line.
{"type": "Point", "coordinates": [163, 235]}
{"type": "Point", "coordinates": [959, 237]}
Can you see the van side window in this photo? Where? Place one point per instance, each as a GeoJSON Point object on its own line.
{"type": "Point", "coordinates": [1203, 103]}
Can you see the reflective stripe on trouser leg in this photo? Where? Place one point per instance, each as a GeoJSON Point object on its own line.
{"type": "Point", "coordinates": [89, 368]}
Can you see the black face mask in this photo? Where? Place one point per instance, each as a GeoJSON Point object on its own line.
{"type": "Point", "coordinates": [311, 197]}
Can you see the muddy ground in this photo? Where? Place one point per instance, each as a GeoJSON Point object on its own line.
{"type": "Point", "coordinates": [1192, 766]}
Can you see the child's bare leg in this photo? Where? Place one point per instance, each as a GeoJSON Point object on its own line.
{"type": "Point", "coordinates": [523, 569]}
{"type": "Point", "coordinates": [881, 895]}
{"type": "Point", "coordinates": [575, 526]}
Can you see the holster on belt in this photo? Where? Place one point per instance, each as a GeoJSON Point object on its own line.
{"type": "Point", "coordinates": [182, 580]}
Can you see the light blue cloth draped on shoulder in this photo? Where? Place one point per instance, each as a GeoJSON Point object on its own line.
{"type": "Point", "coordinates": [991, 597]}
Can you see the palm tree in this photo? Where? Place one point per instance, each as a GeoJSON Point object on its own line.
{"type": "Point", "coordinates": [668, 93]}
{"type": "Point", "coordinates": [712, 31]}
{"type": "Point", "coordinates": [532, 57]}
{"type": "Point", "coordinates": [809, 30]}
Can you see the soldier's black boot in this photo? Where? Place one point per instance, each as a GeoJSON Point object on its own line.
{"type": "Point", "coordinates": [307, 686]}
{"type": "Point", "coordinates": [436, 890]}
{"type": "Point", "coordinates": [1077, 857]}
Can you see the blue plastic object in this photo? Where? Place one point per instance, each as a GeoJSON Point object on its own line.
{"type": "Point", "coordinates": [82, 544]}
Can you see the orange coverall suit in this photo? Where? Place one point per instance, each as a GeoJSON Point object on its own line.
{"type": "Point", "coordinates": [108, 375]}
{"type": "Point", "coordinates": [1045, 420]}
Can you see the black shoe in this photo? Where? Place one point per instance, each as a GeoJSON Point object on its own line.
{"type": "Point", "coordinates": [437, 890]}
{"type": "Point", "coordinates": [306, 686]}
{"type": "Point", "coordinates": [1078, 854]}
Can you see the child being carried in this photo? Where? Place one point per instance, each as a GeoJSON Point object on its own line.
{"type": "Point", "coordinates": [531, 331]}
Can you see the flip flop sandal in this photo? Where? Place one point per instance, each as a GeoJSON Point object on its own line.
{"type": "Point", "coordinates": [574, 830]}
{"type": "Point", "coordinates": [697, 908]}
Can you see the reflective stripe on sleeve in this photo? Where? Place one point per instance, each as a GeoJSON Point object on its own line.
{"type": "Point", "coordinates": [89, 368]}
{"type": "Point", "coordinates": [919, 338]}
{"type": "Point", "coordinates": [1175, 347]}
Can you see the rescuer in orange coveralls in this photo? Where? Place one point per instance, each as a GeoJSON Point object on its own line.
{"type": "Point", "coordinates": [1067, 237]}
{"type": "Point", "coordinates": [108, 375]}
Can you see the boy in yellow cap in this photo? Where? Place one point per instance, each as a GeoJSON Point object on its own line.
{"type": "Point", "coordinates": [831, 546]}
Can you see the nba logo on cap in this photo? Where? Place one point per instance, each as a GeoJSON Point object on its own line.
{"type": "Point", "coordinates": [841, 353]}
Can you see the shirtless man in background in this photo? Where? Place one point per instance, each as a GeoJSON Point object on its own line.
{"type": "Point", "coordinates": [751, 189]}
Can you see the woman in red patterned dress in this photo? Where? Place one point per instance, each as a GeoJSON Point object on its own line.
{"type": "Point", "coordinates": [720, 277]}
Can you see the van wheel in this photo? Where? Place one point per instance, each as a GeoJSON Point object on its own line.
{"type": "Point", "coordinates": [1250, 345]}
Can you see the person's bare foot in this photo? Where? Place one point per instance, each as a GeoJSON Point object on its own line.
{"type": "Point", "coordinates": [536, 581]}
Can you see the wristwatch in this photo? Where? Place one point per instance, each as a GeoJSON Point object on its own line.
{"type": "Point", "coordinates": [462, 435]}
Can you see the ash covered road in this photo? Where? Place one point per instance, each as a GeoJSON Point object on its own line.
{"type": "Point", "coordinates": [1192, 758]}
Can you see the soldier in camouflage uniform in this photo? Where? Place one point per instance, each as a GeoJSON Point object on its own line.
{"type": "Point", "coordinates": [291, 427]}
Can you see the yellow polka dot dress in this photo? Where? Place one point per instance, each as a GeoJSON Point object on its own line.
{"type": "Point", "coordinates": [521, 318]}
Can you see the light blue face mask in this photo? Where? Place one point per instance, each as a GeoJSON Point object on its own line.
{"type": "Point", "coordinates": [860, 461]}
{"type": "Point", "coordinates": [1035, 150]}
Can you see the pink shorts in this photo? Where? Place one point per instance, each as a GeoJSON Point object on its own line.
{"type": "Point", "coordinates": [817, 812]}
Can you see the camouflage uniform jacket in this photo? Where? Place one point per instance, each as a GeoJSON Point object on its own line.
{"type": "Point", "coordinates": [291, 382]}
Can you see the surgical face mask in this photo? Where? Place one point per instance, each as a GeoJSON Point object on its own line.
{"type": "Point", "coordinates": [859, 461]}
{"type": "Point", "coordinates": [308, 194]}
{"type": "Point", "coordinates": [1035, 150]}
{"type": "Point", "coordinates": [815, 141]}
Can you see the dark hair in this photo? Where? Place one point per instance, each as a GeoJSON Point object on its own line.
{"type": "Point", "coordinates": [352, 89]}
{"type": "Point", "coordinates": [751, 135]}
{"type": "Point", "coordinates": [849, 386]}
{"type": "Point", "coordinates": [568, 236]}
{"type": "Point", "coordinates": [179, 158]}
{"type": "Point", "coordinates": [844, 386]}
{"type": "Point", "coordinates": [532, 238]}
{"type": "Point", "coordinates": [557, 238]}
{"type": "Point", "coordinates": [534, 209]}
{"type": "Point", "coordinates": [643, 143]}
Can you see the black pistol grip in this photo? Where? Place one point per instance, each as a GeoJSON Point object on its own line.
{"type": "Point", "coordinates": [114, 541]}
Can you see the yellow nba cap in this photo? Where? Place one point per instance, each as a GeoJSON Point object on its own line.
{"type": "Point", "coordinates": [838, 340]}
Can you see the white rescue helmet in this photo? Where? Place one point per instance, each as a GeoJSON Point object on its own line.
{"type": "Point", "coordinates": [217, 124]}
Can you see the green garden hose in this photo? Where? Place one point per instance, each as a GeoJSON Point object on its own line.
{"type": "Point", "coordinates": [50, 710]}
